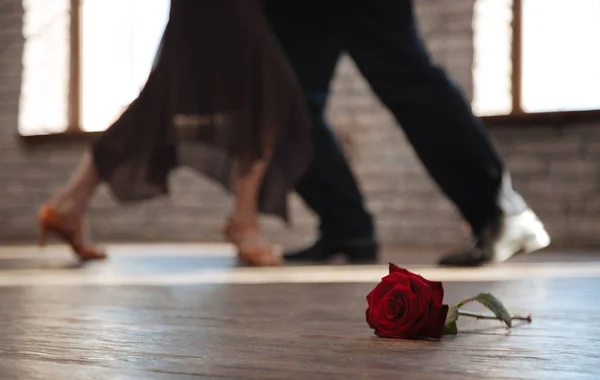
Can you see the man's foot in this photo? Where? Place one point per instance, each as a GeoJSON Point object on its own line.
{"type": "Point", "coordinates": [356, 250]}
{"type": "Point", "coordinates": [522, 233]}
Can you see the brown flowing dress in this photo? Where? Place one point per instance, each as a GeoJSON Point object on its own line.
{"type": "Point", "coordinates": [221, 90]}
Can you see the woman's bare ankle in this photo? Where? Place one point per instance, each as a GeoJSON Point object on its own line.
{"type": "Point", "coordinates": [67, 207]}
{"type": "Point", "coordinates": [243, 221]}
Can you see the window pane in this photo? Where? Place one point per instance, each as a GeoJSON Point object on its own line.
{"type": "Point", "coordinates": [492, 61]}
{"type": "Point", "coordinates": [119, 41]}
{"type": "Point", "coordinates": [561, 58]}
{"type": "Point", "coordinates": [43, 105]}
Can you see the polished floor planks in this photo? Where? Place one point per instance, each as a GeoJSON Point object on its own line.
{"type": "Point", "coordinates": [244, 329]}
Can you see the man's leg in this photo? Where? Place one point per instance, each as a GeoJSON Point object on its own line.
{"type": "Point", "coordinates": [328, 187]}
{"type": "Point", "coordinates": [383, 39]}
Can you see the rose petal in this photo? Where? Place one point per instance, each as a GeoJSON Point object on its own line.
{"type": "Point", "coordinates": [416, 320]}
{"type": "Point", "coordinates": [377, 294]}
{"type": "Point", "coordinates": [386, 285]}
{"type": "Point", "coordinates": [394, 268]}
{"type": "Point", "coordinates": [420, 288]}
{"type": "Point", "coordinates": [422, 292]}
{"type": "Point", "coordinates": [391, 307]}
{"type": "Point", "coordinates": [403, 325]}
{"type": "Point", "coordinates": [436, 286]}
{"type": "Point", "coordinates": [387, 327]}
{"type": "Point", "coordinates": [369, 317]}
{"type": "Point", "coordinates": [397, 279]}
{"type": "Point", "coordinates": [383, 320]}
{"type": "Point", "coordinates": [418, 310]}
{"type": "Point", "coordinates": [437, 293]}
{"type": "Point", "coordinates": [400, 289]}
{"type": "Point", "coordinates": [400, 294]}
{"type": "Point", "coordinates": [387, 320]}
{"type": "Point", "coordinates": [434, 328]}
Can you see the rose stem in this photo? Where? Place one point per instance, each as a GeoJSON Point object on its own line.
{"type": "Point", "coordinates": [483, 316]}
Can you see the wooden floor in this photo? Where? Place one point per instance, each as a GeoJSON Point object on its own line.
{"type": "Point", "coordinates": [187, 312]}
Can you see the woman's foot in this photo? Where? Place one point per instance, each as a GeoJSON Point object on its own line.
{"type": "Point", "coordinates": [69, 227]}
{"type": "Point", "coordinates": [252, 249]}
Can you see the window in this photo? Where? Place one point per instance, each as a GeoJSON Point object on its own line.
{"type": "Point", "coordinates": [116, 59]}
{"type": "Point", "coordinates": [85, 61]}
{"type": "Point", "coordinates": [536, 56]}
{"type": "Point", "coordinates": [45, 79]}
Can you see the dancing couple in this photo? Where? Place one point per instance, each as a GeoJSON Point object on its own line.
{"type": "Point", "coordinates": [238, 92]}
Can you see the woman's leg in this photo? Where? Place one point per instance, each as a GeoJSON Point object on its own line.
{"type": "Point", "coordinates": [72, 199]}
{"type": "Point", "coordinates": [63, 213]}
{"type": "Point", "coordinates": [242, 228]}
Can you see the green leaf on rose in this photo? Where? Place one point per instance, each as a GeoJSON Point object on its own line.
{"type": "Point", "coordinates": [450, 328]}
{"type": "Point", "coordinates": [452, 315]}
{"type": "Point", "coordinates": [492, 303]}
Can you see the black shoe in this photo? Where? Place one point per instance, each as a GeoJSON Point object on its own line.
{"type": "Point", "coordinates": [356, 250]}
{"type": "Point", "coordinates": [508, 236]}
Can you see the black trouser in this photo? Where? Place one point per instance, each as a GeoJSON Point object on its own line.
{"type": "Point", "coordinates": [329, 187]}
{"type": "Point", "coordinates": [382, 38]}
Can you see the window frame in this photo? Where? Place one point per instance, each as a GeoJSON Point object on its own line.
{"type": "Point", "coordinates": [75, 98]}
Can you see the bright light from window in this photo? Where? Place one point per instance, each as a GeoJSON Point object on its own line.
{"type": "Point", "coordinates": [43, 105]}
{"type": "Point", "coordinates": [560, 63]}
{"type": "Point", "coordinates": [561, 58]}
{"type": "Point", "coordinates": [119, 42]}
{"type": "Point", "coordinates": [492, 58]}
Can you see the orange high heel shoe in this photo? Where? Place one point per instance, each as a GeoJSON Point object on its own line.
{"type": "Point", "coordinates": [50, 223]}
{"type": "Point", "coordinates": [252, 250]}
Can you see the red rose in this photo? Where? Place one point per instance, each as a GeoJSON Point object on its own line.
{"type": "Point", "coordinates": [405, 305]}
